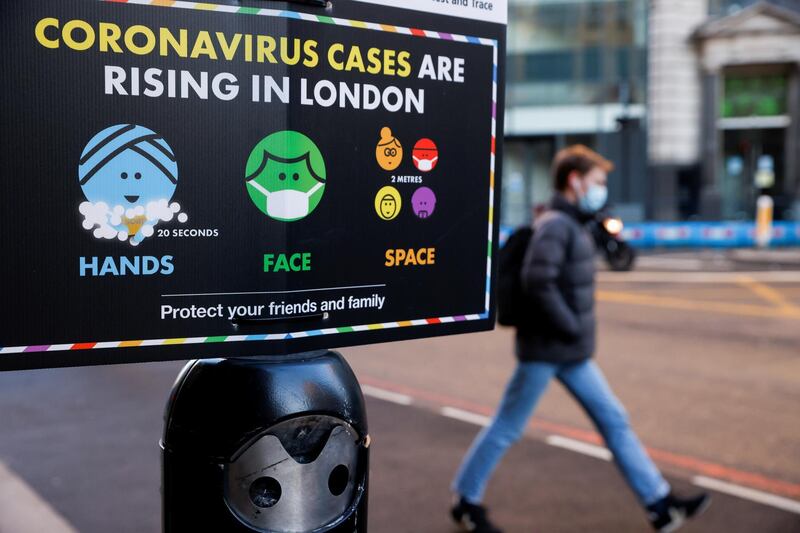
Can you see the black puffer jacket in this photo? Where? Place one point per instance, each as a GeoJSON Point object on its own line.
{"type": "Point", "coordinates": [558, 276]}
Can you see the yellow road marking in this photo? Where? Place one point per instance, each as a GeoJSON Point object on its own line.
{"type": "Point", "coordinates": [725, 308]}
{"type": "Point", "coordinates": [767, 293]}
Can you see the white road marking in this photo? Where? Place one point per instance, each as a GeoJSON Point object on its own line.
{"type": "Point", "coordinates": [677, 263]}
{"type": "Point", "coordinates": [782, 276]}
{"type": "Point", "coordinates": [24, 511]}
{"type": "Point", "coordinates": [785, 255]}
{"type": "Point", "coordinates": [389, 396]}
{"type": "Point", "coordinates": [757, 496]}
{"type": "Point", "coordinates": [465, 416]}
{"type": "Point", "coordinates": [592, 450]}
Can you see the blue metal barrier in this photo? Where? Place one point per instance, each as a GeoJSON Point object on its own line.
{"type": "Point", "coordinates": [699, 234]}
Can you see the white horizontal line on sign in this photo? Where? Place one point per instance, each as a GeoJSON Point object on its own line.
{"type": "Point", "coordinates": [274, 292]}
{"type": "Point", "coordinates": [486, 10]}
{"type": "Point", "coordinates": [745, 493]}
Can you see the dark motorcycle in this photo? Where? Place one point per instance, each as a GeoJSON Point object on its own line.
{"type": "Point", "coordinates": [607, 233]}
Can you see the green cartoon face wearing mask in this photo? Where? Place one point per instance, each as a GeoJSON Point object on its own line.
{"type": "Point", "coordinates": [286, 176]}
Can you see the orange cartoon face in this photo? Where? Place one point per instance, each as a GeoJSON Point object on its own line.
{"type": "Point", "coordinates": [389, 151]}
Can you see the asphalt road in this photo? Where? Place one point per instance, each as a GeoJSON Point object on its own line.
{"type": "Point", "coordinates": [708, 369]}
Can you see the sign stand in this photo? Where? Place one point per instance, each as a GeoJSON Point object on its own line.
{"type": "Point", "coordinates": [266, 444]}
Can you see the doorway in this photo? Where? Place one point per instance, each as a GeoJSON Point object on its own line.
{"type": "Point", "coordinates": [753, 165]}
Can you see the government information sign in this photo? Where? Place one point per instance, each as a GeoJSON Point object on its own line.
{"type": "Point", "coordinates": [184, 179]}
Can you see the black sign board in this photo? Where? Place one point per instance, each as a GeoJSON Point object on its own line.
{"type": "Point", "coordinates": [185, 179]}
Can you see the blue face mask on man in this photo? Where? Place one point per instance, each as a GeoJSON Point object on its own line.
{"type": "Point", "coordinates": [594, 199]}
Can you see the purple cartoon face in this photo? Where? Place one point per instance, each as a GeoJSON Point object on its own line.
{"type": "Point", "coordinates": [423, 202]}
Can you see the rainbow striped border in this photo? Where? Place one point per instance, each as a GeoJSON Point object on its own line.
{"type": "Point", "coordinates": [201, 6]}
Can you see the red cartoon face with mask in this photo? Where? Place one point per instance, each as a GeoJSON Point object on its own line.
{"type": "Point", "coordinates": [425, 155]}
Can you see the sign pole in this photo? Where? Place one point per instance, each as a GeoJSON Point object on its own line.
{"type": "Point", "coordinates": [764, 213]}
{"type": "Point", "coordinates": [273, 444]}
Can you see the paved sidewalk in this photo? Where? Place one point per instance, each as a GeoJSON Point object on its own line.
{"type": "Point", "coordinates": [718, 260]}
{"type": "Point", "coordinates": [775, 256]}
{"type": "Point", "coordinates": [22, 510]}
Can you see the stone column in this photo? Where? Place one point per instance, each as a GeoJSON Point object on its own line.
{"type": "Point", "coordinates": [674, 98]}
{"type": "Point", "coordinates": [792, 146]}
{"type": "Point", "coordinates": [711, 147]}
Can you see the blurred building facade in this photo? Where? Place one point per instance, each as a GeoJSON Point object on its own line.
{"type": "Point", "coordinates": [696, 101]}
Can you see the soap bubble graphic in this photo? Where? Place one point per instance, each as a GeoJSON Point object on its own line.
{"type": "Point", "coordinates": [132, 224]}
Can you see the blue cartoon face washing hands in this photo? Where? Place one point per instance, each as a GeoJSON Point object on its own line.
{"type": "Point", "coordinates": [128, 174]}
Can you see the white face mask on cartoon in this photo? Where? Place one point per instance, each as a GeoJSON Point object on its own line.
{"type": "Point", "coordinates": [425, 165]}
{"type": "Point", "coordinates": [287, 204]}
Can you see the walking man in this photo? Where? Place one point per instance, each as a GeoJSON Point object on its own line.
{"type": "Point", "coordinates": [557, 340]}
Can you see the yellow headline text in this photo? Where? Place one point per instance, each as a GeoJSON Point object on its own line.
{"type": "Point", "coordinates": [141, 40]}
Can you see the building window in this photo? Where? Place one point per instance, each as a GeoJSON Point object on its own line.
{"type": "Point", "coordinates": [576, 52]}
{"type": "Point", "coordinates": [754, 95]}
{"type": "Point", "coordinates": [728, 7]}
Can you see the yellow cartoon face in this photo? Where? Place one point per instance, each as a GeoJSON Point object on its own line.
{"type": "Point", "coordinates": [388, 207]}
{"type": "Point", "coordinates": [388, 203]}
{"type": "Point", "coordinates": [389, 151]}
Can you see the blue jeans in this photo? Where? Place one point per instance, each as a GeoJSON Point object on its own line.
{"type": "Point", "coordinates": [586, 383]}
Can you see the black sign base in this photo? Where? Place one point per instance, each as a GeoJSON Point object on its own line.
{"type": "Point", "coordinates": [266, 444]}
